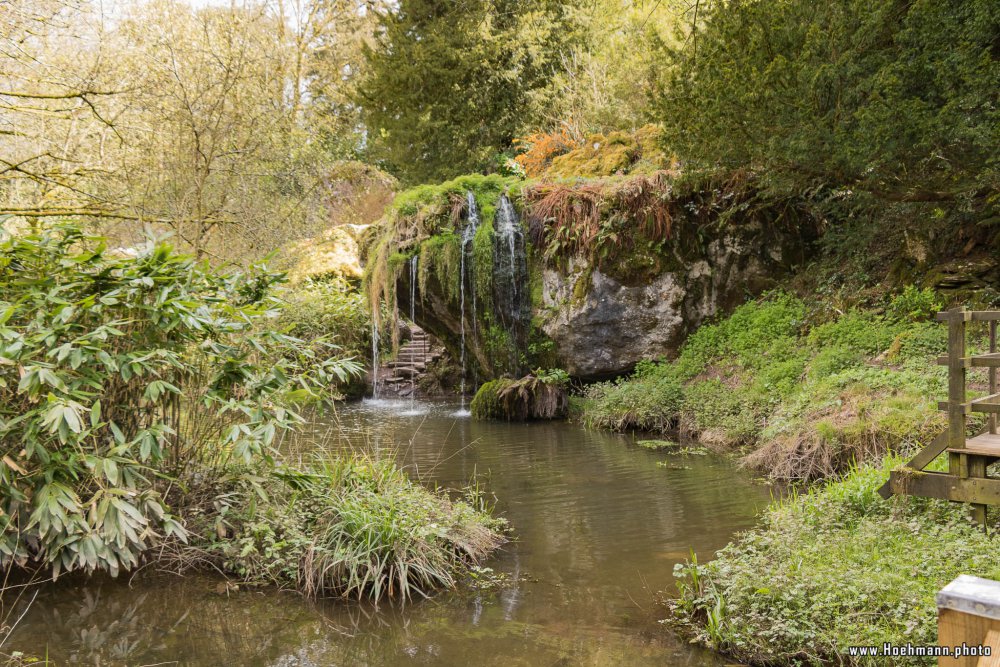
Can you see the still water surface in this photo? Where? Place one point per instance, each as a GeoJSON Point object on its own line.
{"type": "Point", "coordinates": [598, 525]}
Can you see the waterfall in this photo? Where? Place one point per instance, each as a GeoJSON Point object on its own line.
{"type": "Point", "coordinates": [374, 359]}
{"type": "Point", "coordinates": [466, 267]}
{"type": "Point", "coordinates": [510, 277]}
{"type": "Point", "coordinates": [413, 321]}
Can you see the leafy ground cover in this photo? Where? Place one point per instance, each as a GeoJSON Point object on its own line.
{"type": "Point", "coordinates": [833, 568]}
{"type": "Point", "coordinates": [799, 393]}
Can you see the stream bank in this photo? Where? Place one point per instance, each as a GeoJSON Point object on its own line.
{"type": "Point", "coordinates": [599, 526]}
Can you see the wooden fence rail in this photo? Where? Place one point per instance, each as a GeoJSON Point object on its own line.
{"type": "Point", "coordinates": [968, 458]}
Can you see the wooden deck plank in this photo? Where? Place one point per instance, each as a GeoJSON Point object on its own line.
{"type": "Point", "coordinates": [987, 444]}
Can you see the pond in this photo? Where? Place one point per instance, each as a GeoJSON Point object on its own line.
{"type": "Point", "coordinates": [598, 527]}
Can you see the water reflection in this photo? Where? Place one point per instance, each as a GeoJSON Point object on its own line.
{"type": "Point", "coordinates": [599, 527]}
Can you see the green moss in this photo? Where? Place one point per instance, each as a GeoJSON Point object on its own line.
{"type": "Point", "coordinates": [613, 153]}
{"type": "Point", "coordinates": [486, 404]}
{"type": "Point", "coordinates": [581, 287]}
{"type": "Point", "coordinates": [536, 283]}
{"type": "Point", "coordinates": [425, 198]}
{"type": "Point", "coordinates": [482, 257]}
{"type": "Point", "coordinates": [440, 258]}
{"type": "Point", "coordinates": [541, 395]}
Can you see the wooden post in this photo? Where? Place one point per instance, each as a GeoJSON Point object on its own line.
{"type": "Point", "coordinates": [960, 464]}
{"type": "Point", "coordinates": [969, 616]}
{"type": "Point", "coordinates": [993, 373]}
{"type": "Point", "coordinates": [956, 377]}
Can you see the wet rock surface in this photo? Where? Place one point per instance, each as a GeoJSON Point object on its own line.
{"type": "Point", "coordinates": [603, 325]}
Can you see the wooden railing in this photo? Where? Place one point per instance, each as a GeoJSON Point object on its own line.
{"type": "Point", "coordinates": [968, 458]}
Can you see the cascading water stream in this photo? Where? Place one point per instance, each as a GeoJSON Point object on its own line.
{"type": "Point", "coordinates": [508, 228]}
{"type": "Point", "coordinates": [374, 360]}
{"type": "Point", "coordinates": [510, 276]}
{"type": "Point", "coordinates": [413, 321]}
{"type": "Point", "coordinates": [466, 263]}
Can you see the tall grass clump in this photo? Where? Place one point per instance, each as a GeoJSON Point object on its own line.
{"type": "Point", "coordinates": [832, 568]}
{"type": "Point", "coordinates": [348, 525]}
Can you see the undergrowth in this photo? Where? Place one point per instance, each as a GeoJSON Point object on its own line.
{"type": "Point", "coordinates": [801, 392]}
{"type": "Point", "coordinates": [332, 309]}
{"type": "Point", "coordinates": [835, 567]}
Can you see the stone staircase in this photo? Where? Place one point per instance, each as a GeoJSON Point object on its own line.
{"type": "Point", "coordinates": [398, 376]}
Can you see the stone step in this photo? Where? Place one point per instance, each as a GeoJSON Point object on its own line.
{"type": "Point", "coordinates": [399, 375]}
{"type": "Point", "coordinates": [408, 371]}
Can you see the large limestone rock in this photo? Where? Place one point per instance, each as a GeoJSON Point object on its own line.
{"type": "Point", "coordinates": [332, 253]}
{"type": "Point", "coordinates": [602, 326]}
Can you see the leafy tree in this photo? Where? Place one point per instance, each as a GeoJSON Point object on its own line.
{"type": "Point", "coordinates": [222, 124]}
{"type": "Point", "coordinates": [450, 84]}
{"type": "Point", "coordinates": [606, 77]}
{"type": "Point", "coordinates": [896, 98]}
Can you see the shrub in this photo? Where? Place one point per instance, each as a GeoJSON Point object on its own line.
{"type": "Point", "coordinates": [914, 305]}
{"type": "Point", "coordinates": [331, 310]}
{"type": "Point", "coordinates": [119, 372]}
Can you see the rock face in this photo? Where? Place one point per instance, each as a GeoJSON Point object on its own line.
{"type": "Point", "coordinates": [602, 326]}
{"type": "Point", "coordinates": [602, 320]}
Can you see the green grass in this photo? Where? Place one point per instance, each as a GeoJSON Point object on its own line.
{"type": "Point", "coordinates": [800, 392]}
{"type": "Point", "coordinates": [348, 526]}
{"type": "Point", "coordinates": [835, 567]}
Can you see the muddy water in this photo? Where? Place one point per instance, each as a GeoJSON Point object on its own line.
{"type": "Point", "coordinates": [599, 528]}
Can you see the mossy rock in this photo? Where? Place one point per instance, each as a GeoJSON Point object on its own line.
{"type": "Point", "coordinates": [520, 400]}
{"type": "Point", "coordinates": [658, 445]}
